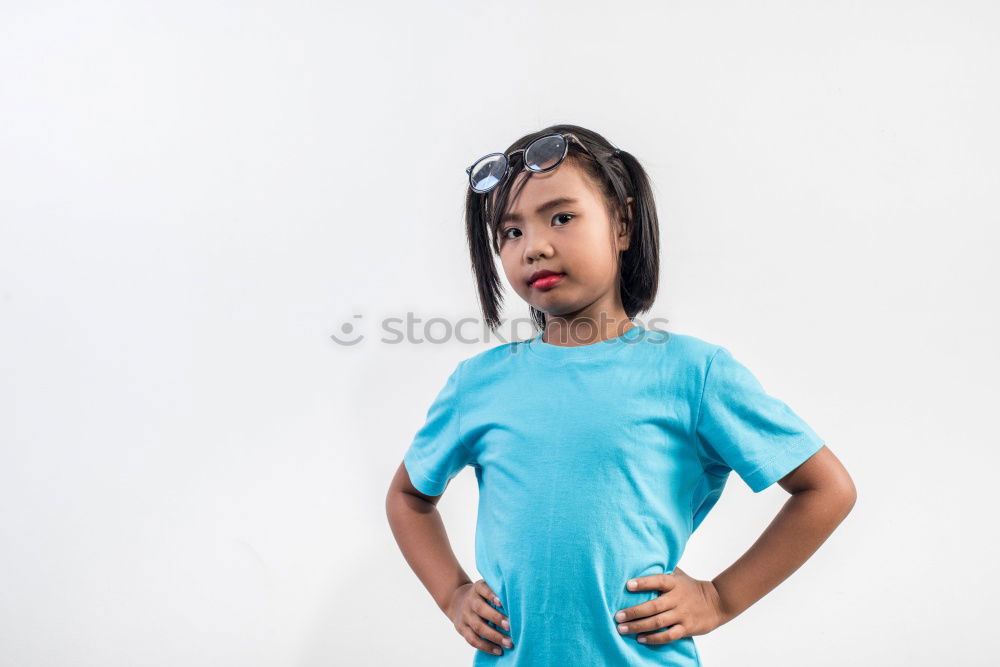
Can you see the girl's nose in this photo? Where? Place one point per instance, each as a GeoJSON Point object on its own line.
{"type": "Point", "coordinates": [537, 246]}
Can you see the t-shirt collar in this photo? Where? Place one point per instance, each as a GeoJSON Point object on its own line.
{"type": "Point", "coordinates": [600, 349]}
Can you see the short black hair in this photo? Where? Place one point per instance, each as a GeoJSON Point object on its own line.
{"type": "Point", "coordinates": [619, 177]}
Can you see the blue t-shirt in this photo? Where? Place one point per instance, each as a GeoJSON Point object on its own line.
{"type": "Point", "coordinates": [595, 464]}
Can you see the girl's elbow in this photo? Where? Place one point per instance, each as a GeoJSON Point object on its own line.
{"type": "Point", "coordinates": [847, 493]}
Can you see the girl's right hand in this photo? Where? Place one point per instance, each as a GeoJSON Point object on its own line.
{"type": "Point", "coordinates": [469, 611]}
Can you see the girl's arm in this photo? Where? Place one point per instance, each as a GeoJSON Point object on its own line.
{"type": "Point", "coordinates": [419, 531]}
{"type": "Point", "coordinates": [822, 495]}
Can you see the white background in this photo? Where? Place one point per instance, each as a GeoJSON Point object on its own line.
{"type": "Point", "coordinates": [195, 195]}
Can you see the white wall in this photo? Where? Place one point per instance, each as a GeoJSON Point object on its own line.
{"type": "Point", "coordinates": [193, 473]}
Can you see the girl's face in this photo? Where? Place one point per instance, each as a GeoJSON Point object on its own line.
{"type": "Point", "coordinates": [558, 223]}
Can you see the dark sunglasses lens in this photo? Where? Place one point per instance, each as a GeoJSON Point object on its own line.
{"type": "Point", "coordinates": [545, 152]}
{"type": "Point", "coordinates": [487, 173]}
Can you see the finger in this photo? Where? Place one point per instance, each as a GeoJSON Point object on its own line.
{"type": "Point", "coordinates": [486, 592]}
{"type": "Point", "coordinates": [490, 614]}
{"type": "Point", "coordinates": [650, 623]}
{"type": "Point", "coordinates": [661, 582]}
{"type": "Point", "coordinates": [478, 642]}
{"type": "Point", "coordinates": [644, 610]}
{"type": "Point", "coordinates": [493, 635]}
{"type": "Point", "coordinates": [658, 604]}
{"type": "Point", "coordinates": [673, 633]}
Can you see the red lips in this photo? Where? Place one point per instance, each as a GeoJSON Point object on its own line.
{"type": "Point", "coordinates": [544, 278]}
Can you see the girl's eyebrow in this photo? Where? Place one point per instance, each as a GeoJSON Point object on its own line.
{"type": "Point", "coordinates": [559, 201]}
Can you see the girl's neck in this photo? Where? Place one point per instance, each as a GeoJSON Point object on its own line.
{"type": "Point", "coordinates": [585, 329]}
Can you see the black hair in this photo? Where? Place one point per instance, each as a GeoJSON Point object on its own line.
{"type": "Point", "coordinates": [619, 176]}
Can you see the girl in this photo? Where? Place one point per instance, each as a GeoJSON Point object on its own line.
{"type": "Point", "coordinates": [599, 445]}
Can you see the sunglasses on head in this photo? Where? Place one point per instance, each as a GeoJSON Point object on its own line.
{"type": "Point", "coordinates": [543, 154]}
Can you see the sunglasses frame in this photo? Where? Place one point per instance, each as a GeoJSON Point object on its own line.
{"type": "Point", "coordinates": [567, 136]}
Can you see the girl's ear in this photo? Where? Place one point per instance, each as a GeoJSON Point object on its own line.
{"type": "Point", "coordinates": [625, 227]}
{"type": "Point", "coordinates": [628, 209]}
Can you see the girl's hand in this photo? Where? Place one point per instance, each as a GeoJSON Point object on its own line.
{"type": "Point", "coordinates": [469, 612]}
{"type": "Point", "coordinates": [688, 606]}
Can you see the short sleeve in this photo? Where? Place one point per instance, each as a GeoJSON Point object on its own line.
{"type": "Point", "coordinates": [437, 452]}
{"type": "Point", "coordinates": [741, 427]}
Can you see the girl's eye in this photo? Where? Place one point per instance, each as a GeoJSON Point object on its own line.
{"type": "Point", "coordinates": [505, 234]}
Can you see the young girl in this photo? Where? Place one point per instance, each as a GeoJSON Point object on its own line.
{"type": "Point", "coordinates": [599, 445]}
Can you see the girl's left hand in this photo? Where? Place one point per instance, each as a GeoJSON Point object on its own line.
{"type": "Point", "coordinates": [687, 606]}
